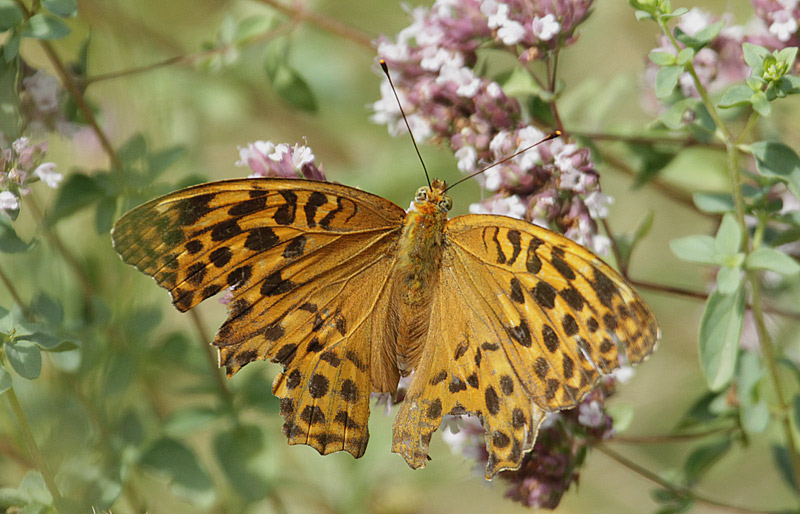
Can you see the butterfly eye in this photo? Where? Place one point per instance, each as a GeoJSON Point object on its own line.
{"type": "Point", "coordinates": [422, 194]}
{"type": "Point", "coordinates": [446, 203]}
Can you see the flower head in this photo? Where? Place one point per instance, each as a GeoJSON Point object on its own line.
{"type": "Point", "coordinates": [20, 166]}
{"type": "Point", "coordinates": [433, 67]}
{"type": "Point", "coordinates": [267, 159]}
{"type": "Point", "coordinates": [552, 466]}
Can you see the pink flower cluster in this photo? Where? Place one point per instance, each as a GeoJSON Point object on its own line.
{"type": "Point", "coordinates": [432, 64]}
{"type": "Point", "coordinates": [266, 159]}
{"type": "Point", "coordinates": [21, 165]}
{"type": "Point", "coordinates": [41, 98]}
{"type": "Point", "coordinates": [781, 19]}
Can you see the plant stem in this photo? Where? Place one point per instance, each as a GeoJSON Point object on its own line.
{"type": "Point", "coordinates": [189, 58]}
{"type": "Point", "coordinates": [752, 277]}
{"type": "Point", "coordinates": [210, 352]}
{"type": "Point", "coordinates": [53, 238]}
{"type": "Point", "coordinates": [14, 293]}
{"type": "Point", "coordinates": [676, 490]}
{"type": "Point", "coordinates": [33, 448]}
{"type": "Point", "coordinates": [332, 26]}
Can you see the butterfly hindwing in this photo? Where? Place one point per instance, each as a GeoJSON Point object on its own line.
{"type": "Point", "coordinates": [307, 262]}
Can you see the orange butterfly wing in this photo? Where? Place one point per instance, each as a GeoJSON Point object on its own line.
{"type": "Point", "coordinates": [308, 263]}
{"type": "Point", "coordinates": [523, 321]}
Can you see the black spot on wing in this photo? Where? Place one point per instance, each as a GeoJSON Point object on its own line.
{"type": "Point", "coordinates": [286, 213]}
{"type": "Point", "coordinates": [314, 202]}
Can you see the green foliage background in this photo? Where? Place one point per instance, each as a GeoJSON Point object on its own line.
{"type": "Point", "coordinates": [136, 419]}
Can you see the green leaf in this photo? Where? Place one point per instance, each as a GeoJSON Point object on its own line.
{"type": "Point", "coordinates": [160, 161]}
{"type": "Point", "coordinates": [9, 240]}
{"type": "Point", "coordinates": [63, 8]}
{"type": "Point", "coordinates": [790, 84]}
{"type": "Point", "coordinates": [738, 94]}
{"type": "Point", "coordinates": [9, 99]}
{"type": "Point", "coordinates": [754, 56]}
{"type": "Point", "coordinates": [697, 248]}
{"type": "Point", "coordinates": [729, 279]}
{"type": "Point", "coordinates": [772, 260]}
{"type": "Point", "coordinates": [292, 88]}
{"type": "Point", "coordinates": [755, 417]}
{"type": "Point", "coordinates": [518, 83]}
{"type": "Point", "coordinates": [728, 240]}
{"type": "Point", "coordinates": [720, 330]}
{"type": "Point", "coordinates": [50, 343]}
{"type": "Point", "coordinates": [776, 160]}
{"type": "Point", "coordinates": [237, 451]}
{"type": "Point", "coordinates": [11, 46]}
{"type": "Point", "coordinates": [34, 488]}
{"type": "Point", "coordinates": [688, 112]}
{"type": "Point", "coordinates": [45, 26]}
{"type": "Point", "coordinates": [25, 358]}
{"type": "Point", "coordinates": [178, 461]}
{"type": "Point", "coordinates": [658, 57]}
{"type": "Point", "coordinates": [189, 420]}
{"type": "Point", "coordinates": [667, 79]}
{"type": "Point", "coordinates": [78, 192]}
{"type": "Point", "coordinates": [104, 215]}
{"type": "Point", "coordinates": [252, 27]}
{"type": "Point", "coordinates": [133, 149]}
{"type": "Point", "coordinates": [5, 380]}
{"type": "Point", "coordinates": [795, 405]}
{"type": "Point", "coordinates": [48, 308]}
{"type": "Point", "coordinates": [784, 464]}
{"type": "Point", "coordinates": [760, 103]}
{"type": "Point", "coordinates": [753, 410]}
{"type": "Point", "coordinates": [705, 35]}
{"type": "Point", "coordinates": [713, 203]}
{"type": "Point", "coordinates": [10, 15]}
{"type": "Point", "coordinates": [649, 161]}
{"type": "Point", "coordinates": [702, 458]}
{"type": "Point", "coordinates": [685, 56]}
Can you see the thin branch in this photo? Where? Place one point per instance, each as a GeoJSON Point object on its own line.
{"type": "Point", "coordinates": [675, 489]}
{"type": "Point", "coordinates": [33, 448]}
{"type": "Point", "coordinates": [698, 295]}
{"type": "Point", "coordinates": [678, 195]}
{"type": "Point", "coordinates": [668, 438]}
{"type": "Point", "coordinates": [14, 454]}
{"type": "Point", "coordinates": [211, 358]}
{"type": "Point", "coordinates": [190, 59]}
{"type": "Point", "coordinates": [14, 293]}
{"type": "Point", "coordinates": [332, 26]}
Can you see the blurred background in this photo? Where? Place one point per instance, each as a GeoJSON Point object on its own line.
{"type": "Point", "coordinates": [142, 372]}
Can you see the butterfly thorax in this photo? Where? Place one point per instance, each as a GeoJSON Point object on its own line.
{"type": "Point", "coordinates": [415, 273]}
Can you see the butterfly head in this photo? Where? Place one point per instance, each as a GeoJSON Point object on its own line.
{"type": "Point", "coordinates": [433, 196]}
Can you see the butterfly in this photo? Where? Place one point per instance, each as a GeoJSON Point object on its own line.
{"type": "Point", "coordinates": [494, 316]}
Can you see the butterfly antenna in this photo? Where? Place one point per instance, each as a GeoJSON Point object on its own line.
{"type": "Point", "coordinates": [405, 119]}
{"type": "Point", "coordinates": [554, 135]}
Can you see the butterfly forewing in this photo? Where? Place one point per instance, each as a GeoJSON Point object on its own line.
{"type": "Point", "coordinates": [199, 240]}
{"type": "Point", "coordinates": [307, 262]}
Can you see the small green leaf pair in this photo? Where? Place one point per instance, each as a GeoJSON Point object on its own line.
{"type": "Point", "coordinates": [769, 79]}
{"type": "Point", "coordinates": [22, 344]}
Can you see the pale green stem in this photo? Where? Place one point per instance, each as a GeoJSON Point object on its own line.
{"type": "Point", "coordinates": [33, 448]}
{"type": "Point", "coordinates": [755, 287]}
